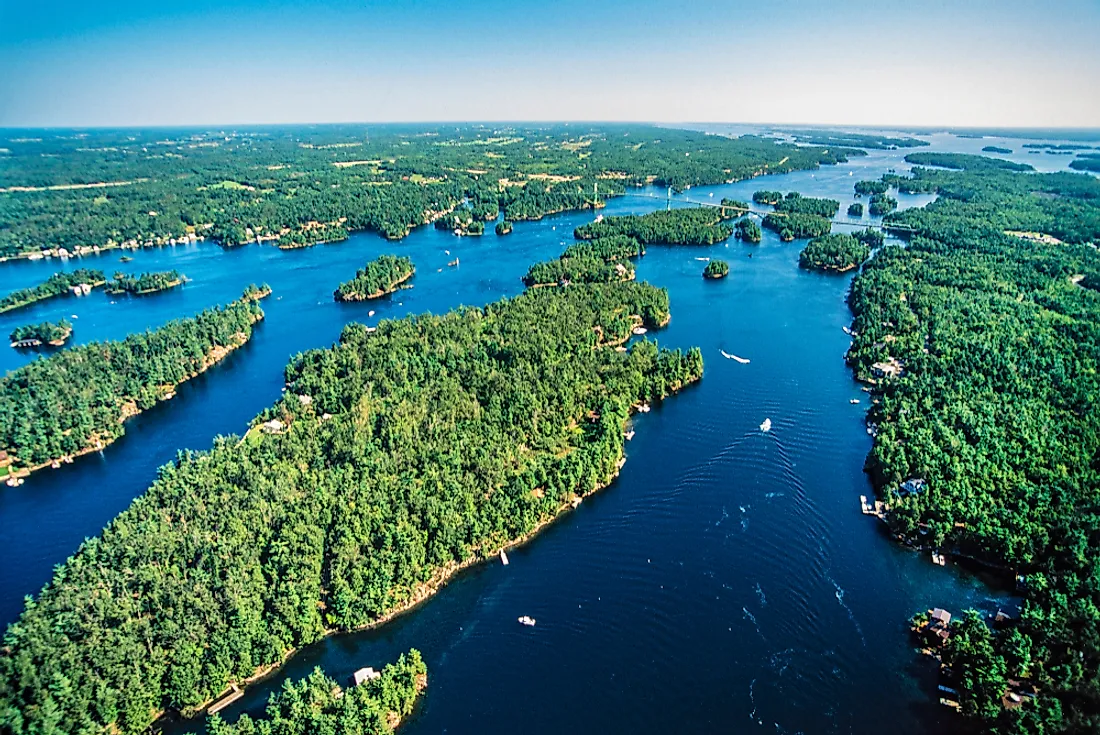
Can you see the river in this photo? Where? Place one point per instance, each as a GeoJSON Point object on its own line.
{"type": "Point", "coordinates": [726, 580]}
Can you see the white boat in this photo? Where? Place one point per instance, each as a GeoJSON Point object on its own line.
{"type": "Point", "coordinates": [629, 435]}
{"type": "Point", "coordinates": [529, 621]}
{"type": "Point", "coordinates": [728, 356]}
{"type": "Point", "coordinates": [854, 400]}
{"type": "Point", "coordinates": [705, 260]}
{"type": "Point", "coordinates": [638, 330]}
{"type": "Point", "coordinates": [503, 558]}
{"type": "Point", "coordinates": [766, 426]}
{"type": "Point", "coordinates": [644, 408]}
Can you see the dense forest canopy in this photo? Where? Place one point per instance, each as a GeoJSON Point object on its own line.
{"type": "Point", "coordinates": [612, 247]}
{"type": "Point", "coordinates": [836, 253]}
{"type": "Point", "coordinates": [59, 284]}
{"type": "Point", "coordinates": [855, 209]}
{"type": "Point", "coordinates": [1062, 204]}
{"type": "Point", "coordinates": [795, 203]}
{"type": "Point", "coordinates": [716, 269]}
{"type": "Point", "coordinates": [579, 269]}
{"type": "Point", "coordinates": [393, 458]}
{"type": "Point", "coordinates": [748, 231]}
{"type": "Point", "coordinates": [43, 333]}
{"type": "Point", "coordinates": [871, 187]}
{"type": "Point", "coordinates": [797, 226]}
{"type": "Point", "coordinates": [296, 186]}
{"type": "Point", "coordinates": [881, 204]}
{"type": "Point", "coordinates": [984, 350]}
{"type": "Point", "coordinates": [143, 283]}
{"type": "Point", "coordinates": [376, 279]}
{"type": "Point", "coordinates": [965, 162]}
{"type": "Point", "coordinates": [318, 704]}
{"type": "Point", "coordinates": [77, 400]}
{"type": "Point", "coordinates": [688, 226]}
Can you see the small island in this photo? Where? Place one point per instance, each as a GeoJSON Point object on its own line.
{"type": "Point", "coordinates": [797, 226]}
{"type": "Point", "coordinates": [78, 283]}
{"type": "Point", "coordinates": [252, 292]}
{"type": "Point", "coordinates": [504, 227]}
{"type": "Point", "coordinates": [833, 253]}
{"type": "Point", "coordinates": [996, 149]}
{"type": "Point", "coordinates": [768, 197]}
{"type": "Point", "coordinates": [748, 231]}
{"type": "Point", "coordinates": [145, 283]}
{"type": "Point", "coordinates": [871, 187]}
{"type": "Point", "coordinates": [881, 204]}
{"type": "Point", "coordinates": [733, 208]}
{"type": "Point", "coordinates": [716, 269]}
{"type": "Point", "coordinates": [585, 269]}
{"type": "Point", "coordinates": [855, 209]}
{"type": "Point", "coordinates": [54, 334]}
{"type": "Point", "coordinates": [462, 221]}
{"type": "Point", "coordinates": [377, 278]}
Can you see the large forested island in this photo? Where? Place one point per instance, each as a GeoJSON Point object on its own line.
{"type": "Point", "coordinates": [77, 282]}
{"type": "Point", "coordinates": [495, 419]}
{"type": "Point", "coordinates": [77, 401]}
{"type": "Point", "coordinates": [982, 348]}
{"type": "Point", "coordinates": [377, 278]}
{"type": "Point", "coordinates": [298, 186]}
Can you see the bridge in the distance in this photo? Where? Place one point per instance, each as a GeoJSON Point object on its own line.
{"type": "Point", "coordinates": [761, 213]}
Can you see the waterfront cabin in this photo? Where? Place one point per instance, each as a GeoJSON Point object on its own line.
{"type": "Point", "coordinates": [5, 459]}
{"type": "Point", "coordinates": [364, 674]}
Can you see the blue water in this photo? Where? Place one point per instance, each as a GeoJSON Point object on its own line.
{"type": "Point", "coordinates": [726, 580]}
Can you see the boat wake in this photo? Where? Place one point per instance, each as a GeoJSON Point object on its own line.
{"type": "Point", "coordinates": [728, 356]}
{"type": "Point", "coordinates": [752, 618]}
{"type": "Point", "coordinates": [851, 615]}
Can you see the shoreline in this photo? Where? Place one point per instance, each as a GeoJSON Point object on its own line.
{"type": "Point", "coordinates": [424, 591]}
{"type": "Point", "coordinates": [169, 392]}
{"type": "Point", "coordinates": [357, 297]}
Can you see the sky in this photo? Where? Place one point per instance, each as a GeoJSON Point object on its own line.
{"type": "Point", "coordinates": [69, 63]}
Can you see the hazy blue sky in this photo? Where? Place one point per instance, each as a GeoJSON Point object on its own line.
{"type": "Point", "coordinates": [960, 62]}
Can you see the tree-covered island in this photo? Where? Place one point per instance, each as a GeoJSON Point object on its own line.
{"type": "Point", "coordinates": [401, 455]}
{"type": "Point", "coordinates": [144, 283]}
{"type": "Point", "coordinates": [833, 253]}
{"type": "Point", "coordinates": [688, 226]}
{"type": "Point", "coordinates": [77, 401]}
{"type": "Point", "coordinates": [54, 334]}
{"type": "Point", "coordinates": [381, 276]}
{"type": "Point", "coordinates": [319, 704]}
{"type": "Point", "coordinates": [78, 283]}
{"type": "Point", "coordinates": [748, 231]}
{"type": "Point", "coordinates": [716, 269]}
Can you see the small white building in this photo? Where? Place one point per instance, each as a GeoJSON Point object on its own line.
{"type": "Point", "coordinates": [274, 426]}
{"type": "Point", "coordinates": [362, 675]}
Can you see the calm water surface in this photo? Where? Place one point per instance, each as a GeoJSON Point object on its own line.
{"type": "Point", "coordinates": [726, 581]}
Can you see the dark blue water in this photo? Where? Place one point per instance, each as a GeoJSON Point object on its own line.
{"type": "Point", "coordinates": [726, 580]}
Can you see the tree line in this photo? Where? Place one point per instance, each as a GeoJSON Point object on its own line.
{"type": "Point", "coordinates": [998, 347]}
{"type": "Point", "coordinates": [405, 452]}
{"type": "Point", "coordinates": [78, 399]}
{"type": "Point", "coordinates": [376, 279]}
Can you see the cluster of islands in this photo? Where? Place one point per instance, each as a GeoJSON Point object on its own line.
{"type": "Point", "coordinates": [975, 334]}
